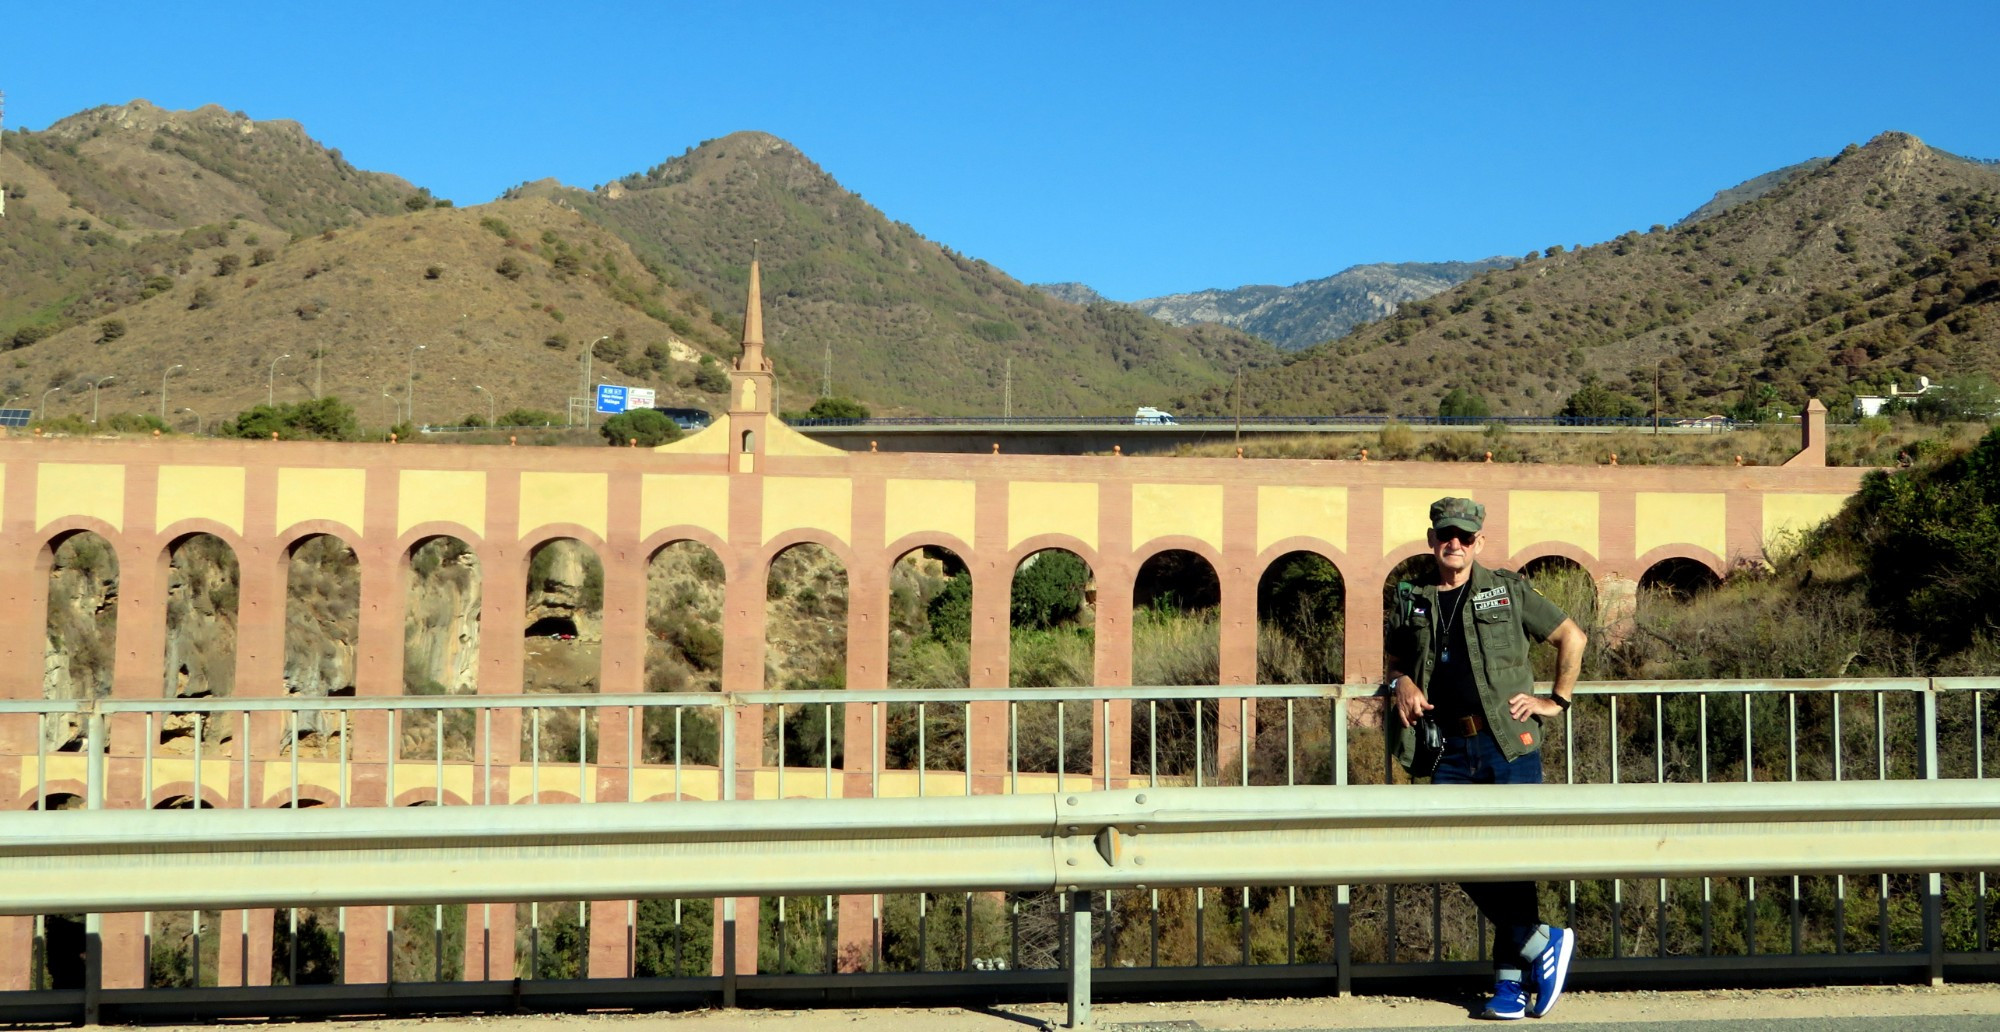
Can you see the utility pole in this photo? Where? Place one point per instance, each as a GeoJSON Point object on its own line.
{"type": "Point", "coordinates": [1007, 391]}
{"type": "Point", "coordinates": [3, 136]}
{"type": "Point", "coordinates": [826, 372]}
{"type": "Point", "coordinates": [1656, 401]}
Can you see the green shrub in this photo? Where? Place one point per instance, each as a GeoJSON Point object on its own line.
{"type": "Point", "coordinates": [649, 427]}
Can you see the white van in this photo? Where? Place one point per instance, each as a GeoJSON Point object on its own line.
{"type": "Point", "coordinates": [1148, 415]}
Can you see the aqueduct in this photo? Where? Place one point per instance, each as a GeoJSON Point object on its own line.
{"type": "Point", "coordinates": [748, 488]}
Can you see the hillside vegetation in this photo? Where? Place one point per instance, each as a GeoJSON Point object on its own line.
{"type": "Point", "coordinates": [912, 325]}
{"type": "Point", "coordinates": [1880, 266]}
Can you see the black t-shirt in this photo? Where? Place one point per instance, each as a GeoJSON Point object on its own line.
{"type": "Point", "coordinates": [1452, 690]}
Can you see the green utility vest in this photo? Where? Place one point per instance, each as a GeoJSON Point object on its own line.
{"type": "Point", "coordinates": [1500, 616]}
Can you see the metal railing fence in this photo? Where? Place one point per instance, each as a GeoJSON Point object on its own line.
{"type": "Point", "coordinates": [493, 750]}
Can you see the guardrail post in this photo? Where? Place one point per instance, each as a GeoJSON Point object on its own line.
{"type": "Point", "coordinates": [1933, 881]}
{"type": "Point", "coordinates": [1079, 960]}
{"type": "Point", "coordinates": [93, 924]}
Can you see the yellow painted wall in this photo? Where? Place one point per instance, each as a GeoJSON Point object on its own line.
{"type": "Point", "coordinates": [1284, 511]}
{"type": "Point", "coordinates": [452, 496]}
{"type": "Point", "coordinates": [712, 439]}
{"type": "Point", "coordinates": [910, 506]}
{"type": "Point", "coordinates": [672, 500]}
{"type": "Point", "coordinates": [1406, 512]}
{"type": "Point", "coordinates": [1663, 518]}
{"type": "Point", "coordinates": [695, 783]}
{"type": "Point", "coordinates": [1160, 510]}
{"type": "Point", "coordinates": [780, 439]}
{"type": "Point", "coordinates": [568, 778]}
{"type": "Point", "coordinates": [579, 498]}
{"type": "Point", "coordinates": [200, 492]}
{"type": "Point", "coordinates": [322, 494]}
{"type": "Point", "coordinates": [818, 503]}
{"type": "Point", "coordinates": [1787, 516]}
{"type": "Point", "coordinates": [76, 489]}
{"type": "Point", "coordinates": [1569, 516]}
{"type": "Point", "coordinates": [3, 494]}
{"type": "Point", "coordinates": [1038, 507]}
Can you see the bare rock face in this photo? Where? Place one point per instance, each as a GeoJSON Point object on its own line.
{"type": "Point", "coordinates": [82, 620]}
{"type": "Point", "coordinates": [441, 633]}
{"type": "Point", "coordinates": [201, 619]}
{"type": "Point", "coordinates": [322, 618]}
{"type": "Point", "coordinates": [565, 583]}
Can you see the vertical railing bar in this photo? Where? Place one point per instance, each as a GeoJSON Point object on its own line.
{"type": "Point", "coordinates": [534, 717]}
{"type": "Point", "coordinates": [1750, 881]}
{"type": "Point", "coordinates": [583, 795]}
{"type": "Point", "coordinates": [923, 762]}
{"type": "Point", "coordinates": [1014, 764]}
{"type": "Point", "coordinates": [93, 924]}
{"type": "Point", "coordinates": [965, 717]}
{"type": "Point", "coordinates": [1199, 747]}
{"type": "Point", "coordinates": [875, 716]}
{"type": "Point", "coordinates": [1062, 746]}
{"type": "Point", "coordinates": [1291, 754]}
{"type": "Point", "coordinates": [437, 771]}
{"type": "Point", "coordinates": [486, 753]}
{"type": "Point", "coordinates": [1153, 771]}
{"type": "Point", "coordinates": [1611, 740]}
{"type": "Point", "coordinates": [1111, 922]}
{"type": "Point", "coordinates": [1659, 740]}
{"type": "Point", "coordinates": [826, 750]}
{"type": "Point", "coordinates": [1243, 754]}
{"type": "Point", "coordinates": [678, 711]}
{"type": "Point", "coordinates": [41, 763]}
{"type": "Point", "coordinates": [781, 782]}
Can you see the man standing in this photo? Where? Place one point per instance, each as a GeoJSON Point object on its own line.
{"type": "Point", "coordinates": [1458, 651]}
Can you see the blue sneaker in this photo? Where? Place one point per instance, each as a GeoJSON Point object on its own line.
{"type": "Point", "coordinates": [1550, 968]}
{"type": "Point", "coordinates": [1509, 1002]}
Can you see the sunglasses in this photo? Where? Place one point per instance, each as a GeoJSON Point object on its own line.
{"type": "Point", "coordinates": [1463, 537]}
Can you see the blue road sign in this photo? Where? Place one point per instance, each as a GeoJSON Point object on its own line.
{"type": "Point", "coordinates": [610, 398]}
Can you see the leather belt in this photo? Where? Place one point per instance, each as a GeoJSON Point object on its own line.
{"type": "Point", "coordinates": [1465, 727]}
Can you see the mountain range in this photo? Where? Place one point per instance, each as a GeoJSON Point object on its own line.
{"type": "Point", "coordinates": [136, 240]}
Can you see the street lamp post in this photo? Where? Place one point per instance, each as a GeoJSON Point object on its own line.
{"type": "Point", "coordinates": [410, 391]}
{"type": "Point", "coordinates": [589, 395]}
{"type": "Point", "coordinates": [42, 410]}
{"type": "Point", "coordinates": [94, 384]}
{"type": "Point", "coordinates": [163, 388]}
{"type": "Point", "coordinates": [490, 417]}
{"type": "Point", "coordinates": [390, 400]}
{"type": "Point", "coordinates": [196, 415]}
{"type": "Point", "coordinates": [271, 383]}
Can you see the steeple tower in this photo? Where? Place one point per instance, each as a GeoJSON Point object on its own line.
{"type": "Point", "coordinates": [751, 381]}
{"type": "Point", "coordinates": [753, 323]}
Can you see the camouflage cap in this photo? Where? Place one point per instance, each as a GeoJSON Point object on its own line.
{"type": "Point", "coordinates": [1463, 513]}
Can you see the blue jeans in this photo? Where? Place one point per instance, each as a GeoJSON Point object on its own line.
{"type": "Point", "coordinates": [1511, 907]}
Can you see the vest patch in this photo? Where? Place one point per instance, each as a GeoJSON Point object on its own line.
{"type": "Point", "coordinates": [1498, 590]}
{"type": "Point", "coordinates": [1527, 739]}
{"type": "Point", "coordinates": [1492, 603]}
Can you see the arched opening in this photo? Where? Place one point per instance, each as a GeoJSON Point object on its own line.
{"type": "Point", "coordinates": [930, 646]}
{"type": "Point", "coordinates": [1678, 579]}
{"type": "Point", "coordinates": [441, 627]}
{"type": "Point", "coordinates": [1301, 639]}
{"type": "Point", "coordinates": [1176, 640]}
{"type": "Point", "coordinates": [58, 943]}
{"type": "Point", "coordinates": [202, 586]}
{"type": "Point", "coordinates": [684, 586]}
{"type": "Point", "coordinates": [427, 943]}
{"type": "Point", "coordinates": [182, 947]}
{"type": "Point", "coordinates": [1052, 617]}
{"type": "Point", "coordinates": [565, 593]}
{"type": "Point", "coordinates": [82, 617]}
{"type": "Point", "coordinates": [322, 632]}
{"type": "Point", "coordinates": [805, 641]}
{"type": "Point", "coordinates": [1565, 582]}
{"type": "Point", "coordinates": [305, 941]}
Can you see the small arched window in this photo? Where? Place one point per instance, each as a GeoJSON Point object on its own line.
{"type": "Point", "coordinates": [749, 442]}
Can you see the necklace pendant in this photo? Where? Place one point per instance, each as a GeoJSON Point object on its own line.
{"type": "Point", "coordinates": [1445, 656]}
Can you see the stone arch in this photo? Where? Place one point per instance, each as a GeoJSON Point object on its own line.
{"type": "Point", "coordinates": [1052, 619]}
{"type": "Point", "coordinates": [563, 611]}
{"type": "Point", "coordinates": [1301, 618]}
{"type": "Point", "coordinates": [1567, 582]}
{"type": "Point", "coordinates": [428, 795]}
{"type": "Point", "coordinates": [200, 572]}
{"type": "Point", "coordinates": [322, 615]}
{"type": "Point", "coordinates": [79, 572]}
{"type": "Point", "coordinates": [806, 583]}
{"type": "Point", "coordinates": [181, 795]}
{"type": "Point", "coordinates": [310, 795]}
{"type": "Point", "coordinates": [1052, 543]}
{"type": "Point", "coordinates": [1680, 577]}
{"type": "Point", "coordinates": [291, 537]}
{"type": "Point", "coordinates": [443, 588]}
{"type": "Point", "coordinates": [929, 632]}
{"type": "Point", "coordinates": [1654, 557]}
{"type": "Point", "coordinates": [1521, 557]}
{"type": "Point", "coordinates": [687, 577]}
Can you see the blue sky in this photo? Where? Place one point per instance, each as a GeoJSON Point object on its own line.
{"type": "Point", "coordinates": [1144, 149]}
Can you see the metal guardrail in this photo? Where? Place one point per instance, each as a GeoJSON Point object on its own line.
{"type": "Point", "coordinates": [1346, 421]}
{"type": "Point", "coordinates": [1864, 734]}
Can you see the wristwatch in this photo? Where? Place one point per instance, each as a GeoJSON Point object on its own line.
{"type": "Point", "coordinates": [1560, 700]}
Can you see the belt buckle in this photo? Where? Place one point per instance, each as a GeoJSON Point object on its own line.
{"type": "Point", "coordinates": [1470, 726]}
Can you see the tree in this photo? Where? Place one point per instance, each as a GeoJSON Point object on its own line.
{"type": "Point", "coordinates": [835, 408]}
{"type": "Point", "coordinates": [321, 419]}
{"type": "Point", "coordinates": [1958, 399]}
{"type": "Point", "coordinates": [110, 330]}
{"type": "Point", "coordinates": [1048, 589]}
{"type": "Point", "coordinates": [1460, 403]}
{"type": "Point", "coordinates": [711, 377]}
{"type": "Point", "coordinates": [228, 264]}
{"type": "Point", "coordinates": [650, 427]}
{"type": "Point", "coordinates": [528, 417]}
{"type": "Point", "coordinates": [1593, 400]}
